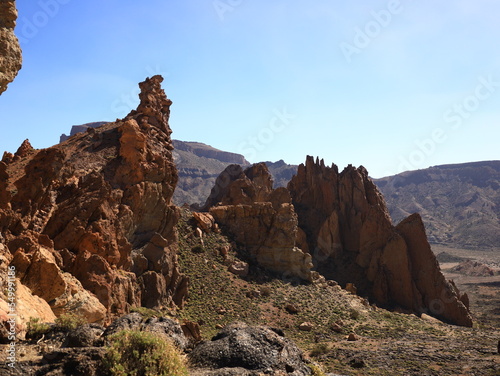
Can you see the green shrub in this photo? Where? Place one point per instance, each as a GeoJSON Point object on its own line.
{"type": "Point", "coordinates": [136, 353]}
{"type": "Point", "coordinates": [354, 314]}
{"type": "Point", "coordinates": [36, 329]}
{"type": "Point", "coordinates": [316, 370]}
{"type": "Point", "coordinates": [69, 321]}
{"type": "Point", "coordinates": [319, 349]}
{"type": "Point", "coordinates": [198, 249]}
{"type": "Point", "coordinates": [146, 312]}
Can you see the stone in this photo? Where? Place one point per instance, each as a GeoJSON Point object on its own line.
{"type": "Point", "coordinates": [10, 51]}
{"type": "Point", "coordinates": [191, 331]}
{"type": "Point", "coordinates": [291, 308]}
{"type": "Point", "coordinates": [351, 288]}
{"type": "Point", "coordinates": [336, 328]}
{"type": "Point", "coordinates": [62, 290]}
{"type": "Point", "coordinates": [259, 218]}
{"type": "Point", "coordinates": [352, 241]}
{"type": "Point", "coordinates": [100, 206]}
{"type": "Point", "coordinates": [204, 220]}
{"type": "Point", "coordinates": [306, 326]}
{"type": "Point", "coordinates": [161, 326]}
{"type": "Point", "coordinates": [73, 361]}
{"type": "Point", "coordinates": [240, 348]}
{"type": "Point", "coordinates": [27, 306]}
{"type": "Point", "coordinates": [352, 337]}
{"type": "Point", "coordinates": [89, 335]}
{"type": "Point", "coordinates": [239, 268]}
{"type": "Point", "coordinates": [24, 150]}
{"type": "Point", "coordinates": [437, 296]}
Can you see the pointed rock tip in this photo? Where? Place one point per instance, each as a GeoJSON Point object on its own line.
{"type": "Point", "coordinates": [24, 149]}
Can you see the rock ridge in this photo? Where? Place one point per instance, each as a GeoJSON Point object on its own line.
{"type": "Point", "coordinates": [352, 240]}
{"type": "Point", "coordinates": [91, 220]}
{"type": "Point", "coordinates": [260, 218]}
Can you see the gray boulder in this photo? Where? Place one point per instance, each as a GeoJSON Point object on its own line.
{"type": "Point", "coordinates": [161, 326]}
{"type": "Point", "coordinates": [243, 350]}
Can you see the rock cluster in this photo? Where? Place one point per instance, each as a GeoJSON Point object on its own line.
{"type": "Point", "coordinates": [237, 349]}
{"type": "Point", "coordinates": [89, 223]}
{"type": "Point", "coordinates": [352, 240]}
{"type": "Point", "coordinates": [10, 51]}
{"type": "Point", "coordinates": [260, 218]}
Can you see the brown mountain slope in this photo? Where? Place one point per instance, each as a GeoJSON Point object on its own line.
{"type": "Point", "coordinates": [460, 204]}
{"type": "Point", "coordinates": [198, 166]}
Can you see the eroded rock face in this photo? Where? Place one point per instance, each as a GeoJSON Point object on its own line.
{"type": "Point", "coordinates": [260, 218]}
{"type": "Point", "coordinates": [10, 51]}
{"type": "Point", "coordinates": [352, 240]}
{"type": "Point", "coordinates": [97, 211]}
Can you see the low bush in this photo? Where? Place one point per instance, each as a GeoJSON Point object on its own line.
{"type": "Point", "coordinates": [37, 329]}
{"type": "Point", "coordinates": [136, 353]}
{"type": "Point", "coordinates": [319, 349]}
{"type": "Point", "coordinates": [68, 321]}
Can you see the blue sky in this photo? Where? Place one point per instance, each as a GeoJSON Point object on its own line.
{"type": "Point", "coordinates": [391, 85]}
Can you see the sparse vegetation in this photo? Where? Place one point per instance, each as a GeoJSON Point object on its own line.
{"type": "Point", "coordinates": [354, 314]}
{"type": "Point", "coordinates": [146, 312]}
{"type": "Point", "coordinates": [69, 321]}
{"type": "Point", "coordinates": [319, 349]}
{"type": "Point", "coordinates": [316, 370]}
{"type": "Point", "coordinates": [136, 353]}
{"type": "Point", "coordinates": [36, 328]}
{"type": "Point", "coordinates": [217, 297]}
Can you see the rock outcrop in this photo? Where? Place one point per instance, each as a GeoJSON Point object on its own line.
{"type": "Point", "coordinates": [260, 218]}
{"type": "Point", "coordinates": [242, 350]}
{"type": "Point", "coordinates": [352, 240]}
{"type": "Point", "coordinates": [10, 51]}
{"type": "Point", "coordinates": [90, 223]}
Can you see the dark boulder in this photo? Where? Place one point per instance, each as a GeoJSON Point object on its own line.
{"type": "Point", "coordinates": [253, 349]}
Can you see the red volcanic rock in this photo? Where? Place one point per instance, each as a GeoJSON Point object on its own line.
{"type": "Point", "coordinates": [436, 294]}
{"type": "Point", "coordinates": [259, 218]}
{"type": "Point", "coordinates": [10, 51]}
{"type": "Point", "coordinates": [24, 150]}
{"type": "Point", "coordinates": [98, 208]}
{"type": "Point", "coordinates": [352, 240]}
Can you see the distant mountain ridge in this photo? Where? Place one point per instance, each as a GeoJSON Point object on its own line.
{"type": "Point", "coordinates": [207, 151]}
{"type": "Point", "coordinates": [460, 203]}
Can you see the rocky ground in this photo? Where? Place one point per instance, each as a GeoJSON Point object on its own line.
{"type": "Point", "coordinates": [479, 277]}
{"type": "Point", "coordinates": [387, 343]}
{"type": "Point", "coordinates": [338, 332]}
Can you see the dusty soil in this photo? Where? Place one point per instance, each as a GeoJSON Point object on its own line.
{"type": "Point", "coordinates": [484, 292]}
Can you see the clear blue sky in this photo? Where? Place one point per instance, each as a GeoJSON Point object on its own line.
{"type": "Point", "coordinates": [391, 85]}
